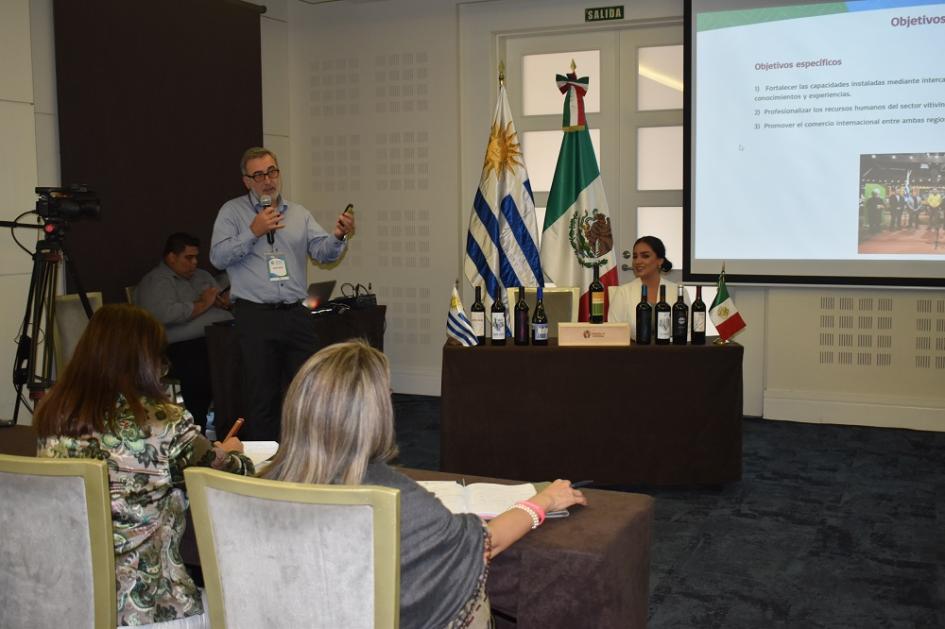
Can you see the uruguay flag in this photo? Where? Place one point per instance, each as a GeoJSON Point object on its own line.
{"type": "Point", "coordinates": [458, 325]}
{"type": "Point", "coordinates": [501, 247]}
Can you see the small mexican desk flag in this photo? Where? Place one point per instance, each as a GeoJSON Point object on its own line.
{"type": "Point", "coordinates": [723, 313]}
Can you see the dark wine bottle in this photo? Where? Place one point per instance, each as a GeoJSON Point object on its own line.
{"type": "Point", "coordinates": [644, 319]}
{"type": "Point", "coordinates": [498, 319]}
{"type": "Point", "coordinates": [698, 319]}
{"type": "Point", "coordinates": [664, 318]}
{"type": "Point", "coordinates": [477, 316]}
{"type": "Point", "coordinates": [680, 318]}
{"type": "Point", "coordinates": [596, 297]}
{"type": "Point", "coordinates": [521, 318]}
{"type": "Point", "coordinates": [540, 321]}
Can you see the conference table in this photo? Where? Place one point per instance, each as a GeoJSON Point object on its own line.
{"type": "Point", "coordinates": [641, 415]}
{"type": "Point", "coordinates": [226, 360]}
{"type": "Point", "coordinates": [590, 569]}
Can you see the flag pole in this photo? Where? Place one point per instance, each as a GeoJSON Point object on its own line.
{"type": "Point", "coordinates": [719, 340]}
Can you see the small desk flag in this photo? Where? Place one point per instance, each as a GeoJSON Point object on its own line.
{"type": "Point", "coordinates": [458, 325]}
{"type": "Point", "coordinates": [723, 313]}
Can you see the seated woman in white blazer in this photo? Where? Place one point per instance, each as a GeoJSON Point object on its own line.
{"type": "Point", "coordinates": [649, 264]}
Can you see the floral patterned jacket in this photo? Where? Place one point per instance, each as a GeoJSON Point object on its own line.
{"type": "Point", "coordinates": [145, 469]}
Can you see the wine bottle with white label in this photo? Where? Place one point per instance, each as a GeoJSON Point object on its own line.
{"type": "Point", "coordinates": [498, 319]}
{"type": "Point", "coordinates": [540, 321]}
{"type": "Point", "coordinates": [477, 316]}
{"type": "Point", "coordinates": [664, 318]}
{"type": "Point", "coordinates": [698, 319]}
{"type": "Point", "coordinates": [680, 318]}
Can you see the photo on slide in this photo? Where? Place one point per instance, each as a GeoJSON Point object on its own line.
{"type": "Point", "coordinates": [902, 203]}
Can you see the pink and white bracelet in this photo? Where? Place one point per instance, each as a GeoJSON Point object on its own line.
{"type": "Point", "coordinates": [536, 513]}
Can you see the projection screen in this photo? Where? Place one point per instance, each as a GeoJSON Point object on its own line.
{"type": "Point", "coordinates": [815, 142]}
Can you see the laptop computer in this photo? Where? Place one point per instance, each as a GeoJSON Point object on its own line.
{"type": "Point", "coordinates": [319, 293]}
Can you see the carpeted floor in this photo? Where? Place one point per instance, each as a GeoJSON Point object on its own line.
{"type": "Point", "coordinates": [831, 526]}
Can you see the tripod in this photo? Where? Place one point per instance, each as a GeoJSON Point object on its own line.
{"type": "Point", "coordinates": [33, 367]}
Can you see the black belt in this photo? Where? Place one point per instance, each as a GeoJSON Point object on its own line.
{"type": "Point", "coordinates": [245, 303]}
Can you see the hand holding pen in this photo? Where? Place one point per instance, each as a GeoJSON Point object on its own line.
{"type": "Point", "coordinates": [231, 443]}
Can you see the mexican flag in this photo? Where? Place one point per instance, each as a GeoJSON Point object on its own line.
{"type": "Point", "coordinates": [577, 232]}
{"type": "Point", "coordinates": [723, 313]}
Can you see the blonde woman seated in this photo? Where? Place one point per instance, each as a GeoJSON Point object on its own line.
{"type": "Point", "coordinates": [649, 264]}
{"type": "Point", "coordinates": [338, 427]}
{"type": "Point", "coordinates": [109, 404]}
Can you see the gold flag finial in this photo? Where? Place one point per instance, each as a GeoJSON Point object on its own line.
{"type": "Point", "coordinates": [573, 66]}
{"type": "Point", "coordinates": [501, 72]}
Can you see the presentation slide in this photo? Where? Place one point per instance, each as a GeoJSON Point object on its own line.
{"type": "Point", "coordinates": [817, 142]}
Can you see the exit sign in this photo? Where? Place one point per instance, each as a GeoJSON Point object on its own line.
{"type": "Point", "coordinates": [601, 14]}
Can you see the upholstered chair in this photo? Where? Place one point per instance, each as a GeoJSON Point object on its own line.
{"type": "Point", "coordinates": [57, 560]}
{"type": "Point", "coordinates": [278, 554]}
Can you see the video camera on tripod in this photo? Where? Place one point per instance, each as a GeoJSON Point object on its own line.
{"type": "Point", "coordinates": [56, 207]}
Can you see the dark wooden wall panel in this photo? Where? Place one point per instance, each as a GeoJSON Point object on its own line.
{"type": "Point", "coordinates": [157, 101]}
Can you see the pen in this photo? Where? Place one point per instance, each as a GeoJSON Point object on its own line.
{"type": "Point", "coordinates": [582, 483]}
{"type": "Point", "coordinates": [235, 429]}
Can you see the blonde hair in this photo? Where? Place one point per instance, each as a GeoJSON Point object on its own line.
{"type": "Point", "coordinates": [337, 417]}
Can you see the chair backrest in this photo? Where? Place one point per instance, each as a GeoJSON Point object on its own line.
{"type": "Point", "coordinates": [329, 555]}
{"type": "Point", "coordinates": [70, 324]}
{"type": "Point", "coordinates": [561, 304]}
{"type": "Point", "coordinates": [57, 557]}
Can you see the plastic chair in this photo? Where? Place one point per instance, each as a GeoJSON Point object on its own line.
{"type": "Point", "coordinates": [278, 554]}
{"type": "Point", "coordinates": [58, 566]}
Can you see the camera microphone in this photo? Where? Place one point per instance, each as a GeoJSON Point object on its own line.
{"type": "Point", "coordinates": [266, 201]}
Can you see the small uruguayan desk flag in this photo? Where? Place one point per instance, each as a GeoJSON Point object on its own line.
{"type": "Point", "coordinates": [457, 323]}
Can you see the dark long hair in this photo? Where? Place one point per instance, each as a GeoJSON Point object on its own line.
{"type": "Point", "coordinates": [121, 352]}
{"type": "Point", "coordinates": [659, 249]}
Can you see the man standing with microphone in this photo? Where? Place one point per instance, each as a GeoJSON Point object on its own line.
{"type": "Point", "coordinates": [268, 282]}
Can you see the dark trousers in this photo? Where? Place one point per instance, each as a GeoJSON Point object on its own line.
{"type": "Point", "coordinates": [191, 365]}
{"type": "Point", "coordinates": [274, 343]}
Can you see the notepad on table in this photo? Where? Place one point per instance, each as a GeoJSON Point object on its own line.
{"type": "Point", "coordinates": [259, 451]}
{"type": "Point", "coordinates": [486, 500]}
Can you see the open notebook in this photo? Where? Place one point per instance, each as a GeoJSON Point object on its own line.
{"type": "Point", "coordinates": [486, 500]}
{"type": "Point", "coordinates": [259, 451]}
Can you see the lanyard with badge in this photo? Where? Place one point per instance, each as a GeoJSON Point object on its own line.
{"type": "Point", "coordinates": [276, 262]}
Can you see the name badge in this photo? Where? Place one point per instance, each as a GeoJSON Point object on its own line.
{"type": "Point", "coordinates": [278, 270]}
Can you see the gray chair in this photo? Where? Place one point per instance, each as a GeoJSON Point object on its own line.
{"type": "Point", "coordinates": [561, 304]}
{"type": "Point", "coordinates": [70, 322]}
{"type": "Point", "coordinates": [326, 555]}
{"type": "Point", "coordinates": [57, 559]}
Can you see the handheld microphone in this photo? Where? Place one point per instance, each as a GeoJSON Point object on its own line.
{"type": "Point", "coordinates": [266, 201]}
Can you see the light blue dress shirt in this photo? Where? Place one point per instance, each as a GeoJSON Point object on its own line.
{"type": "Point", "coordinates": [244, 256]}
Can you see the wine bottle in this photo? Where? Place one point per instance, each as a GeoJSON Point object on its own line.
{"type": "Point", "coordinates": [644, 319]}
{"type": "Point", "coordinates": [698, 319]}
{"type": "Point", "coordinates": [477, 316]}
{"type": "Point", "coordinates": [540, 320]}
{"type": "Point", "coordinates": [596, 290]}
{"type": "Point", "coordinates": [680, 318]}
{"type": "Point", "coordinates": [521, 318]}
{"type": "Point", "coordinates": [664, 318]}
{"type": "Point", "coordinates": [498, 319]}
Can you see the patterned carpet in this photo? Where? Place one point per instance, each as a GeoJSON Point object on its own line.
{"type": "Point", "coordinates": [831, 526]}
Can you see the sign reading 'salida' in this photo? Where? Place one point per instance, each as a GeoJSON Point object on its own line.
{"type": "Point", "coordinates": [601, 14]}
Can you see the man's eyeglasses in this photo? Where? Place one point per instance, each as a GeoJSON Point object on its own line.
{"type": "Point", "coordinates": [259, 177]}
